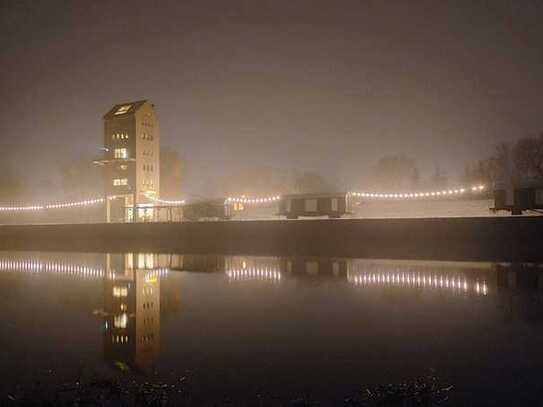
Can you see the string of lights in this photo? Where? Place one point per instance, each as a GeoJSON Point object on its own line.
{"type": "Point", "coordinates": [63, 205]}
{"type": "Point", "coordinates": [165, 201]}
{"type": "Point", "coordinates": [252, 201]}
{"type": "Point", "coordinates": [254, 273]}
{"type": "Point", "coordinates": [419, 195]}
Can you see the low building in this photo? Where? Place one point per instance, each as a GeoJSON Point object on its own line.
{"type": "Point", "coordinates": [519, 197]}
{"type": "Point", "coordinates": [333, 205]}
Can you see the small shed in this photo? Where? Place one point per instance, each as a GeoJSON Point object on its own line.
{"type": "Point", "coordinates": [527, 195]}
{"type": "Point", "coordinates": [333, 205]}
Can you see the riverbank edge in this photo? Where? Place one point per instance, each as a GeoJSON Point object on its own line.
{"type": "Point", "coordinates": [480, 239]}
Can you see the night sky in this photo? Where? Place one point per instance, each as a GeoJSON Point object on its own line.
{"type": "Point", "coordinates": [317, 85]}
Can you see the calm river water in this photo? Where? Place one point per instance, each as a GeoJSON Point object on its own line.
{"type": "Point", "coordinates": [241, 330]}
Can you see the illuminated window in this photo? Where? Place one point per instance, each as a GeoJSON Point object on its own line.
{"type": "Point", "coordinates": [123, 307]}
{"type": "Point", "coordinates": [120, 181]}
{"type": "Point", "coordinates": [120, 321]}
{"type": "Point", "coordinates": [123, 167]}
{"type": "Point", "coordinates": [123, 109]}
{"type": "Point", "coordinates": [146, 260]}
{"type": "Point", "coordinates": [121, 153]}
{"type": "Point", "coordinates": [148, 183]}
{"type": "Point", "coordinates": [120, 291]}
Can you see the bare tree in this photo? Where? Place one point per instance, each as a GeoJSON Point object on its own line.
{"type": "Point", "coordinates": [81, 179]}
{"type": "Point", "coordinates": [310, 182]}
{"type": "Point", "coordinates": [497, 167]}
{"type": "Point", "coordinates": [253, 182]}
{"type": "Point", "coordinates": [11, 184]}
{"type": "Point", "coordinates": [395, 172]}
{"type": "Point", "coordinates": [172, 168]}
{"type": "Point", "coordinates": [528, 157]}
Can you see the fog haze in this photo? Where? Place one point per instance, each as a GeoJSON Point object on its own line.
{"type": "Point", "coordinates": [286, 86]}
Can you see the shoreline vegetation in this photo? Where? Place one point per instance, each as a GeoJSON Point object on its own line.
{"type": "Point", "coordinates": [127, 389]}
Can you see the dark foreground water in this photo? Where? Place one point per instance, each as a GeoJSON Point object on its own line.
{"type": "Point", "coordinates": [236, 330]}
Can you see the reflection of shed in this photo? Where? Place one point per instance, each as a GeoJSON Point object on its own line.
{"type": "Point", "coordinates": [203, 262]}
{"type": "Point", "coordinates": [520, 197]}
{"type": "Point", "coordinates": [314, 266]}
{"type": "Point", "coordinates": [333, 205]}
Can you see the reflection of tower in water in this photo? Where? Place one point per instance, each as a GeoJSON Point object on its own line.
{"type": "Point", "coordinates": [132, 310]}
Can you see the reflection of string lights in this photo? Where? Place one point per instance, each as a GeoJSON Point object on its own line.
{"type": "Point", "coordinates": [252, 201]}
{"type": "Point", "coordinates": [38, 267]}
{"type": "Point", "coordinates": [254, 273]}
{"type": "Point", "coordinates": [416, 280]}
{"type": "Point", "coordinates": [418, 195]}
{"type": "Point", "coordinates": [152, 276]}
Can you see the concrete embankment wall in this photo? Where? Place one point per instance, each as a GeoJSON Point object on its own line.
{"type": "Point", "coordinates": [496, 239]}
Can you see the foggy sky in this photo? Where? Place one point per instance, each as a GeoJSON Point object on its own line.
{"type": "Point", "coordinates": [308, 85]}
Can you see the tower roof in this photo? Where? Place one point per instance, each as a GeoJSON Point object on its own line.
{"type": "Point", "coordinates": [125, 108]}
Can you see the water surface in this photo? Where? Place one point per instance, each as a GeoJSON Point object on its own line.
{"type": "Point", "coordinates": [245, 329]}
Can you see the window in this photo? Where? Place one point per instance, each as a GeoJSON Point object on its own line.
{"type": "Point", "coordinates": [123, 167]}
{"type": "Point", "coordinates": [120, 291]}
{"type": "Point", "coordinates": [121, 153]}
{"type": "Point", "coordinates": [310, 205]}
{"type": "Point", "coordinates": [539, 196]}
{"type": "Point", "coordinates": [123, 109]}
{"type": "Point", "coordinates": [312, 267]}
{"type": "Point", "coordinates": [120, 321]}
{"type": "Point", "coordinates": [335, 268]}
{"type": "Point", "coordinates": [120, 181]}
{"type": "Point", "coordinates": [334, 204]}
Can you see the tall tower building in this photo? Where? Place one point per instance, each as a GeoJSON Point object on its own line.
{"type": "Point", "coordinates": [131, 161]}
